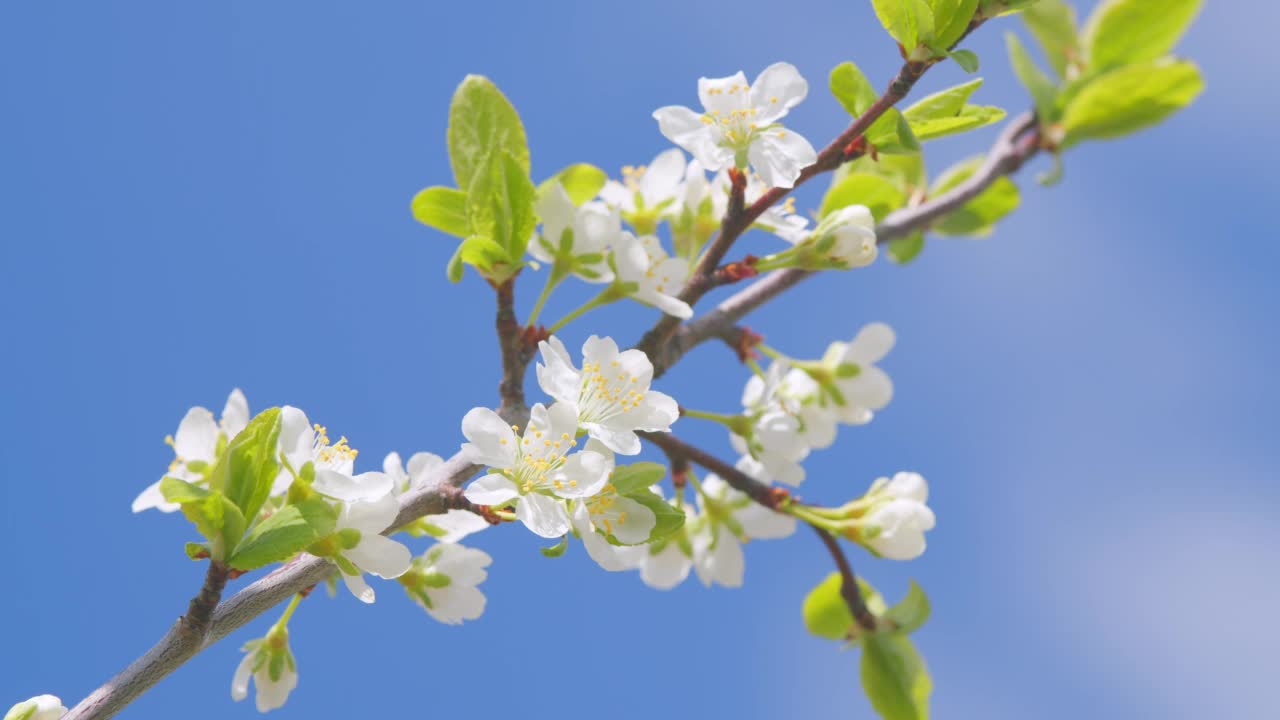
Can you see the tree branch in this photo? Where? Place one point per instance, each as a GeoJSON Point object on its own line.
{"type": "Point", "coordinates": [1017, 143]}
{"type": "Point", "coordinates": [770, 497]}
{"type": "Point", "coordinates": [206, 621]}
{"type": "Point", "coordinates": [849, 589]}
{"type": "Point", "coordinates": [511, 343]}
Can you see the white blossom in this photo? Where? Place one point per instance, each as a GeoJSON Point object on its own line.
{"type": "Point", "coordinates": [269, 662]}
{"type": "Point", "coordinates": [195, 446]}
{"type": "Point", "coordinates": [896, 524]}
{"type": "Point", "coordinates": [537, 468]}
{"type": "Point", "coordinates": [667, 562]}
{"type": "Point", "coordinates": [658, 278]}
{"type": "Point", "coordinates": [589, 230]}
{"type": "Point", "coordinates": [444, 579]}
{"type": "Point", "coordinates": [780, 219]}
{"type": "Point", "coordinates": [870, 389]}
{"type": "Point", "coordinates": [607, 515]}
{"type": "Point", "coordinates": [846, 238]}
{"type": "Point", "coordinates": [611, 392]}
{"type": "Point", "coordinates": [739, 124]}
{"type": "Point", "coordinates": [730, 518]}
{"type": "Point", "coordinates": [370, 552]}
{"type": "Point", "coordinates": [302, 442]}
{"type": "Point", "coordinates": [777, 440]}
{"type": "Point", "coordinates": [40, 707]}
{"type": "Point", "coordinates": [650, 188]}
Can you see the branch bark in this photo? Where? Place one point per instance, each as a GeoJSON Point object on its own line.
{"type": "Point", "coordinates": [770, 497]}
{"type": "Point", "coordinates": [1017, 143]}
{"type": "Point", "coordinates": [849, 589]}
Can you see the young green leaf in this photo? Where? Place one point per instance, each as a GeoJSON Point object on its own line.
{"type": "Point", "coordinates": [979, 215]}
{"type": "Point", "coordinates": [879, 194]}
{"type": "Point", "coordinates": [892, 134]}
{"type": "Point", "coordinates": [442, 208]}
{"type": "Point", "coordinates": [1043, 91]}
{"type": "Point", "coordinates": [946, 112]}
{"type": "Point", "coordinates": [905, 249]}
{"type": "Point", "coordinates": [482, 121]}
{"type": "Point", "coordinates": [287, 532]}
{"type": "Point", "coordinates": [582, 181]}
{"type": "Point", "coordinates": [1126, 32]}
{"type": "Point", "coordinates": [825, 612]}
{"type": "Point", "coordinates": [667, 519]}
{"type": "Point", "coordinates": [912, 612]}
{"type": "Point", "coordinates": [635, 477]}
{"type": "Point", "coordinates": [945, 103]}
{"type": "Point", "coordinates": [1129, 99]}
{"type": "Point", "coordinates": [950, 20]}
{"type": "Point", "coordinates": [966, 59]}
{"type": "Point", "coordinates": [895, 678]}
{"type": "Point", "coordinates": [910, 22]}
{"type": "Point", "coordinates": [248, 467]}
{"type": "Point", "coordinates": [852, 88]}
{"type": "Point", "coordinates": [1053, 22]}
{"type": "Point", "coordinates": [556, 550]}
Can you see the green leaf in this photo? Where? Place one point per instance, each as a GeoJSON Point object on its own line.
{"type": "Point", "coordinates": [455, 267]}
{"type": "Point", "coordinates": [217, 519]}
{"type": "Point", "coordinates": [825, 612]}
{"type": "Point", "coordinates": [1126, 32]}
{"type": "Point", "coordinates": [197, 551]}
{"type": "Point", "coordinates": [992, 8]}
{"type": "Point", "coordinates": [180, 491]}
{"type": "Point", "coordinates": [556, 550]}
{"type": "Point", "coordinates": [946, 112]}
{"type": "Point", "coordinates": [878, 193]}
{"type": "Point", "coordinates": [908, 21]}
{"type": "Point", "coordinates": [950, 19]}
{"type": "Point", "coordinates": [979, 215]}
{"type": "Point", "coordinates": [482, 122]}
{"type": "Point", "coordinates": [907, 172]}
{"type": "Point", "coordinates": [1043, 91]}
{"type": "Point", "coordinates": [288, 531]}
{"type": "Point", "coordinates": [500, 205]}
{"type": "Point", "coordinates": [905, 249]}
{"type": "Point", "coordinates": [1053, 22]}
{"type": "Point", "coordinates": [895, 678]}
{"type": "Point", "coordinates": [851, 88]}
{"type": "Point", "coordinates": [1129, 99]}
{"type": "Point", "coordinates": [912, 612]}
{"type": "Point", "coordinates": [667, 519]}
{"type": "Point", "coordinates": [891, 133]}
{"type": "Point", "coordinates": [582, 181]}
{"type": "Point", "coordinates": [966, 59]}
{"type": "Point", "coordinates": [945, 103]}
{"type": "Point", "coordinates": [635, 477]}
{"type": "Point", "coordinates": [247, 469]}
{"type": "Point", "coordinates": [970, 118]}
{"type": "Point", "coordinates": [442, 208]}
{"type": "Point", "coordinates": [483, 254]}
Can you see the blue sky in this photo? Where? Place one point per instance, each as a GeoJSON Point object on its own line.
{"type": "Point", "coordinates": [203, 196]}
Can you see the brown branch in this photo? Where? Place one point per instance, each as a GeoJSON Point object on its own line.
{"type": "Point", "coordinates": [770, 497]}
{"type": "Point", "coordinates": [515, 358]}
{"type": "Point", "coordinates": [849, 589]}
{"type": "Point", "coordinates": [1017, 143]}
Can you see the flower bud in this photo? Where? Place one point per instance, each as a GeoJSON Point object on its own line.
{"type": "Point", "coordinates": [40, 707]}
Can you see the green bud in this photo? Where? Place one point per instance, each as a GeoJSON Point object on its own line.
{"type": "Point", "coordinates": [21, 711]}
{"type": "Point", "coordinates": [433, 579]}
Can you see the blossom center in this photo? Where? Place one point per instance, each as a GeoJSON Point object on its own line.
{"type": "Point", "coordinates": [538, 456]}
{"type": "Point", "coordinates": [607, 392]}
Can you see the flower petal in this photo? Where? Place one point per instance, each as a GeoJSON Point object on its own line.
{"type": "Point", "coordinates": [240, 680]}
{"type": "Point", "coordinates": [685, 128]}
{"type": "Point", "coordinates": [582, 475]}
{"type": "Point", "coordinates": [621, 441]}
{"type": "Point", "coordinates": [235, 414]}
{"type": "Point", "coordinates": [381, 556]}
{"type": "Point", "coordinates": [493, 442]}
{"type": "Point", "coordinates": [358, 587]}
{"type": "Point", "coordinates": [661, 180]}
{"type": "Point", "coordinates": [776, 90]}
{"type": "Point", "coordinates": [544, 516]}
{"type": "Point", "coordinates": [492, 489]}
{"type": "Point", "coordinates": [724, 95]}
{"type": "Point", "coordinates": [779, 155]}
{"type": "Point", "coordinates": [197, 436]}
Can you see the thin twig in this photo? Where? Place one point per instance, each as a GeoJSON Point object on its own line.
{"type": "Point", "coordinates": [849, 589]}
{"type": "Point", "coordinates": [511, 344]}
{"type": "Point", "coordinates": [770, 497]}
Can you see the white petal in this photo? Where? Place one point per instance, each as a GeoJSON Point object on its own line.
{"type": "Point", "coordinates": [151, 498]}
{"type": "Point", "coordinates": [463, 565]}
{"type": "Point", "coordinates": [623, 442]}
{"type": "Point", "coordinates": [365, 486]}
{"type": "Point", "coordinates": [492, 489]}
{"type": "Point", "coordinates": [544, 516]}
{"type": "Point", "coordinates": [685, 128]}
{"type": "Point", "coordinates": [297, 437]}
{"type": "Point", "coordinates": [556, 374]}
{"type": "Point", "coordinates": [619, 196]}
{"type": "Point", "coordinates": [452, 605]}
{"type": "Point", "coordinates": [724, 94]}
{"type": "Point", "coordinates": [639, 522]}
{"type": "Point", "coordinates": [582, 475]}
{"type": "Point", "coordinates": [667, 568]}
{"type": "Point", "coordinates": [457, 524]}
{"type": "Point", "coordinates": [240, 680]}
{"type": "Point", "coordinates": [272, 695]}
{"type": "Point", "coordinates": [909, 485]}
{"type": "Point", "coordinates": [870, 345]}
{"type": "Point", "coordinates": [235, 414]}
{"type": "Point", "coordinates": [370, 516]}
{"type": "Point", "coordinates": [493, 442]}
{"type": "Point", "coordinates": [562, 419]}
{"type": "Point", "coordinates": [599, 350]}
{"type": "Point", "coordinates": [661, 179]}
{"type": "Point", "coordinates": [358, 587]}
{"type": "Point", "coordinates": [760, 522]}
{"type": "Point", "coordinates": [656, 413]}
{"type": "Point", "coordinates": [779, 156]}
{"type": "Point", "coordinates": [421, 464]}
{"type": "Point", "coordinates": [197, 436]}
{"type": "Point", "coordinates": [380, 555]}
{"type": "Point", "coordinates": [776, 90]}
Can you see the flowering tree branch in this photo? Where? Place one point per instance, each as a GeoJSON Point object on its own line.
{"type": "Point", "coordinates": [849, 589]}
{"type": "Point", "coordinates": [770, 497]}
{"type": "Point", "coordinates": [511, 344]}
{"type": "Point", "coordinates": [1017, 143]}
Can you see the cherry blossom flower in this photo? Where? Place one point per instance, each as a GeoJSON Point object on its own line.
{"type": "Point", "coordinates": [895, 525]}
{"type": "Point", "coordinates": [576, 237]}
{"type": "Point", "coordinates": [658, 278]}
{"type": "Point", "coordinates": [270, 663]}
{"type": "Point", "coordinates": [738, 125]}
{"type": "Point", "coordinates": [195, 447]}
{"type": "Point", "coordinates": [443, 581]}
{"type": "Point", "coordinates": [363, 549]}
{"type": "Point", "coordinates": [40, 707]}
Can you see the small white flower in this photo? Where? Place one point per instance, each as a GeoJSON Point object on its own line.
{"type": "Point", "coordinates": [850, 233]}
{"type": "Point", "coordinates": [611, 391]}
{"type": "Point", "coordinates": [40, 707]}
{"type": "Point", "coordinates": [371, 552]}
{"type": "Point", "coordinates": [270, 663]}
{"type": "Point", "coordinates": [667, 562]}
{"type": "Point", "coordinates": [579, 236]}
{"type": "Point", "coordinates": [412, 476]}
{"type": "Point", "coordinates": [870, 389]}
{"type": "Point", "coordinates": [896, 524]}
{"type": "Point", "coordinates": [658, 278]}
{"type": "Point", "coordinates": [301, 443]}
{"type": "Point", "coordinates": [452, 525]}
{"type": "Point", "coordinates": [780, 219]}
{"type": "Point", "coordinates": [739, 124]}
{"type": "Point", "coordinates": [650, 188]}
{"type": "Point", "coordinates": [730, 519]}
{"type": "Point", "coordinates": [778, 439]}
{"type": "Point", "coordinates": [608, 514]}
{"type": "Point", "coordinates": [536, 468]}
{"type": "Point", "coordinates": [195, 446]}
{"type": "Point", "coordinates": [444, 579]}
